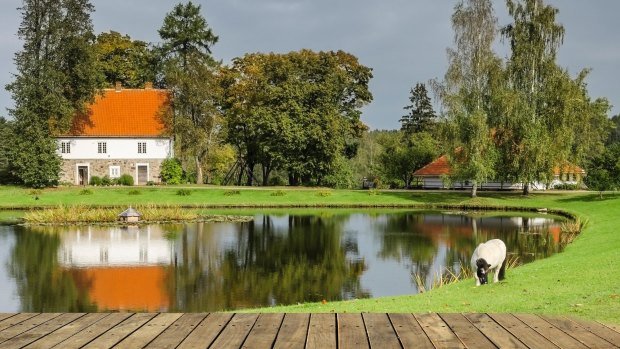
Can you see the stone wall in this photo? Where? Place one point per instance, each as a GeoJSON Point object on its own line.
{"type": "Point", "coordinates": [101, 168]}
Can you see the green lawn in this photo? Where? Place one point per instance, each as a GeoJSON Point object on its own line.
{"type": "Point", "coordinates": [583, 281]}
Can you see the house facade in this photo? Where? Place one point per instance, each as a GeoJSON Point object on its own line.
{"type": "Point", "coordinates": [432, 176]}
{"type": "Point", "coordinates": [121, 133]}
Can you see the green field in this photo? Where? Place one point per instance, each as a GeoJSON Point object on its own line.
{"type": "Point", "coordinates": [583, 281]}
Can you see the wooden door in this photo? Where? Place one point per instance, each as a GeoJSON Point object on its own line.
{"type": "Point", "coordinates": [143, 174]}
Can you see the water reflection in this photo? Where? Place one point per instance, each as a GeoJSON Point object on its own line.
{"type": "Point", "coordinates": [275, 259]}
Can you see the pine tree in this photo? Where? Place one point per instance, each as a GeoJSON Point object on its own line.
{"type": "Point", "coordinates": [56, 79]}
{"type": "Point", "coordinates": [190, 74]}
{"type": "Point", "coordinates": [421, 115]}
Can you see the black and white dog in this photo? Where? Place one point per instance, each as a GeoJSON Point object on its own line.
{"type": "Point", "coordinates": [487, 256]}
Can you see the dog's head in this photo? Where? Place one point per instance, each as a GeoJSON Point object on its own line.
{"type": "Point", "coordinates": [481, 270]}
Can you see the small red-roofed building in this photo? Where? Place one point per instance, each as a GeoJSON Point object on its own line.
{"type": "Point", "coordinates": [121, 133]}
{"type": "Point", "coordinates": [435, 174]}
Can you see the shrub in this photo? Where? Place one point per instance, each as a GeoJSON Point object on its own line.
{"type": "Point", "coordinates": [184, 192]}
{"type": "Point", "coordinates": [86, 192]}
{"type": "Point", "coordinates": [567, 186]}
{"type": "Point", "coordinates": [278, 193]}
{"type": "Point", "coordinates": [277, 181]}
{"type": "Point", "coordinates": [134, 192]}
{"type": "Point", "coordinates": [95, 180]}
{"type": "Point", "coordinates": [150, 183]}
{"type": "Point", "coordinates": [232, 192]}
{"type": "Point", "coordinates": [125, 180]}
{"type": "Point", "coordinates": [171, 171]}
{"type": "Point", "coordinates": [106, 180]}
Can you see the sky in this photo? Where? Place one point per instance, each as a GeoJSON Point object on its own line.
{"type": "Point", "coordinates": [403, 41]}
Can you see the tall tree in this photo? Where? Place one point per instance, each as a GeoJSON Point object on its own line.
{"type": "Point", "coordinates": [466, 91]}
{"type": "Point", "coordinates": [420, 116]}
{"type": "Point", "coordinates": [190, 74]}
{"type": "Point", "coordinates": [298, 112]}
{"type": "Point", "coordinates": [121, 59]}
{"type": "Point", "coordinates": [534, 39]}
{"type": "Point", "coordinates": [550, 119]}
{"type": "Point", "coordinates": [56, 78]}
{"type": "Point", "coordinates": [6, 134]}
{"type": "Point", "coordinates": [185, 32]}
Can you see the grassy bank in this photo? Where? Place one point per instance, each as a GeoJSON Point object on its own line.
{"type": "Point", "coordinates": [583, 281]}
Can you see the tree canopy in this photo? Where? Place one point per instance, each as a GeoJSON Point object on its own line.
{"type": "Point", "coordinates": [56, 78]}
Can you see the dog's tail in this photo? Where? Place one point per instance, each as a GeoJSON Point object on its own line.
{"type": "Point", "coordinates": [502, 270]}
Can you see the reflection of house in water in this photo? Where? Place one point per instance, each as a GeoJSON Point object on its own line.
{"type": "Point", "coordinates": [433, 225]}
{"type": "Point", "coordinates": [123, 268]}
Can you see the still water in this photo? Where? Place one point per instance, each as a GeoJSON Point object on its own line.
{"type": "Point", "coordinates": [274, 259]}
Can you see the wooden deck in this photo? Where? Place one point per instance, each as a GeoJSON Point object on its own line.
{"type": "Point", "coordinates": [225, 330]}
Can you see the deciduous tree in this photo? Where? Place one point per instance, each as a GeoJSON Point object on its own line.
{"type": "Point", "coordinates": [466, 92]}
{"type": "Point", "coordinates": [121, 59]}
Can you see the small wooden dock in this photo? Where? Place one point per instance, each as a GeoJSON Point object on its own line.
{"type": "Point", "coordinates": [368, 330]}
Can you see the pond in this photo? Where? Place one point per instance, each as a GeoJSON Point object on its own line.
{"type": "Point", "coordinates": [277, 258]}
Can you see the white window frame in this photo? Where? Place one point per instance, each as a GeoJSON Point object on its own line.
{"type": "Point", "coordinates": [141, 147]}
{"type": "Point", "coordinates": [118, 171]}
{"type": "Point", "coordinates": [102, 148]}
{"type": "Point", "coordinates": [65, 147]}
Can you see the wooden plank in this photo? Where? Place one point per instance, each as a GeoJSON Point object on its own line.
{"type": "Point", "coordinates": [467, 332]}
{"type": "Point", "coordinates": [496, 333]}
{"type": "Point", "coordinates": [600, 330]}
{"type": "Point", "coordinates": [293, 332]}
{"type": "Point", "coordinates": [381, 334]}
{"type": "Point", "coordinates": [549, 331]}
{"type": "Point", "coordinates": [410, 332]}
{"type": "Point", "coordinates": [14, 320]}
{"type": "Point", "coordinates": [6, 315]}
{"type": "Point", "coordinates": [322, 332]}
{"type": "Point", "coordinates": [438, 331]}
{"type": "Point", "coordinates": [176, 333]}
{"type": "Point", "coordinates": [40, 331]}
{"type": "Point", "coordinates": [66, 331]}
{"type": "Point", "coordinates": [93, 331]}
{"type": "Point", "coordinates": [147, 332]}
{"type": "Point", "coordinates": [527, 335]}
{"type": "Point", "coordinates": [264, 332]}
{"type": "Point", "coordinates": [206, 332]}
{"type": "Point", "coordinates": [579, 333]}
{"type": "Point", "coordinates": [26, 325]}
{"type": "Point", "coordinates": [351, 331]}
{"type": "Point", "coordinates": [235, 332]}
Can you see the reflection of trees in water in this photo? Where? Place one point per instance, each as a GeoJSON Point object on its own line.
{"type": "Point", "coordinates": [429, 243]}
{"type": "Point", "coordinates": [303, 260]}
{"type": "Point", "coordinates": [42, 285]}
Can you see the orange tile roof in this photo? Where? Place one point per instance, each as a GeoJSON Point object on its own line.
{"type": "Point", "coordinates": [441, 166]}
{"type": "Point", "coordinates": [438, 167]}
{"type": "Point", "coordinates": [123, 113]}
{"type": "Point", "coordinates": [140, 288]}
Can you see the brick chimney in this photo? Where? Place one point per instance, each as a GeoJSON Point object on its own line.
{"type": "Point", "coordinates": [119, 87]}
{"type": "Point", "coordinates": [148, 85]}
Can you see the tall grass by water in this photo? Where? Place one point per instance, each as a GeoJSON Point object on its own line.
{"type": "Point", "coordinates": [91, 215]}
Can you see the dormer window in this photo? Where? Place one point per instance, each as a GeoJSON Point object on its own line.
{"type": "Point", "coordinates": [65, 147]}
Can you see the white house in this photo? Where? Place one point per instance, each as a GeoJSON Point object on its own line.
{"type": "Point", "coordinates": [121, 133]}
{"type": "Point", "coordinates": [432, 176]}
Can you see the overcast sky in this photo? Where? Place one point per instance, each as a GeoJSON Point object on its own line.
{"type": "Point", "coordinates": [404, 41]}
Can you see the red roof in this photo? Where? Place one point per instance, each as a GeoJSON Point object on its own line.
{"type": "Point", "coordinates": [441, 166]}
{"type": "Point", "coordinates": [123, 113]}
{"type": "Point", "coordinates": [438, 167]}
